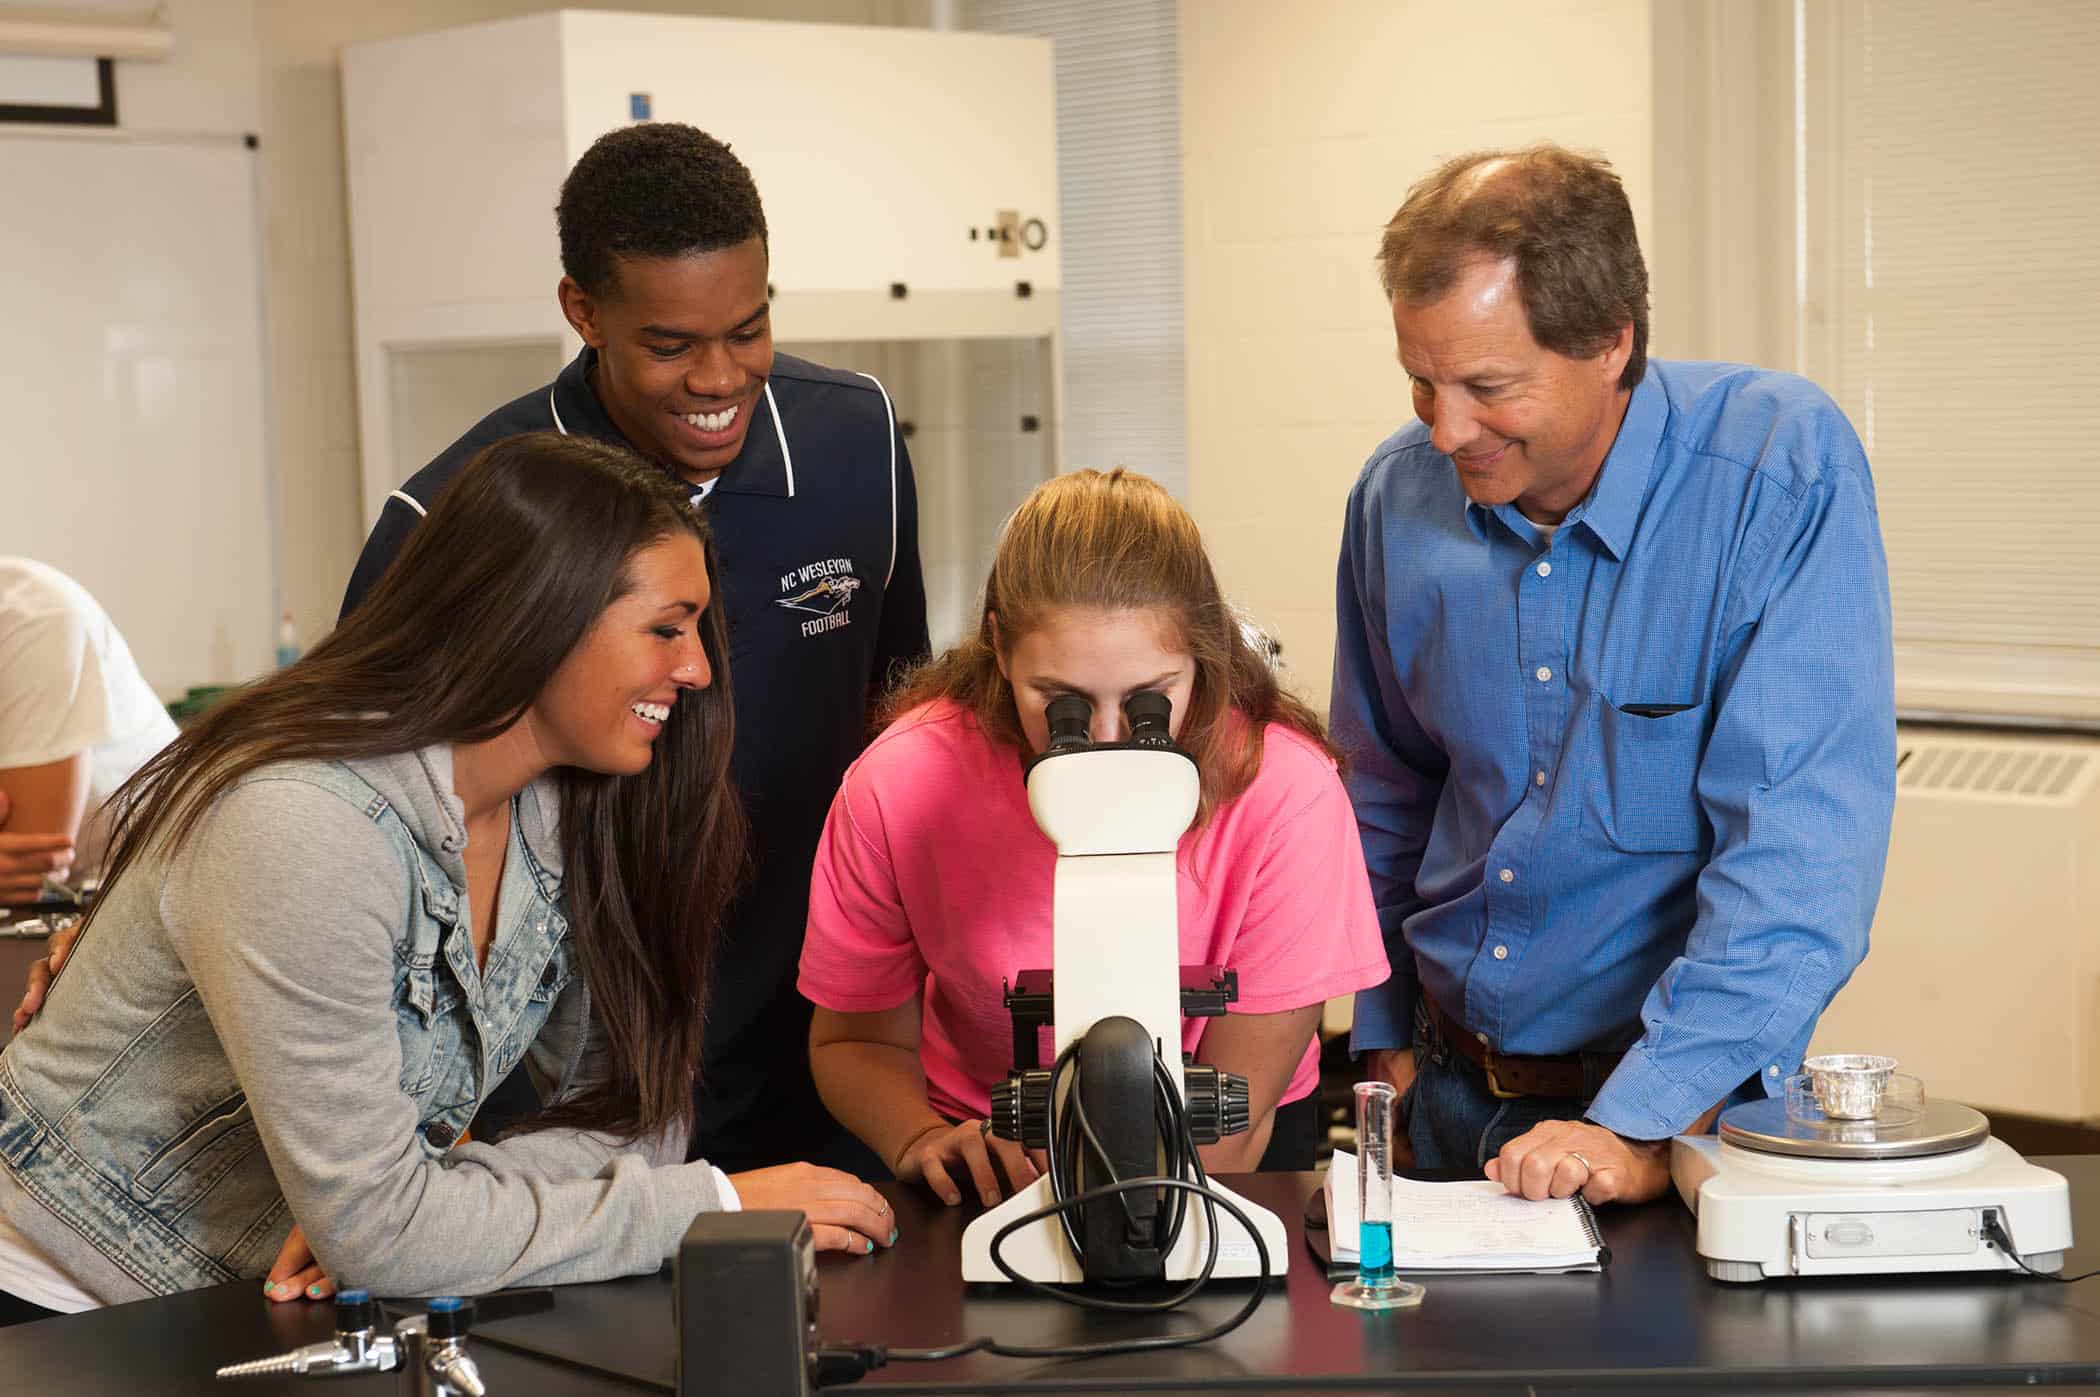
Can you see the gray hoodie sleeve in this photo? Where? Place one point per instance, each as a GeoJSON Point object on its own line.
{"type": "Point", "coordinates": [284, 908]}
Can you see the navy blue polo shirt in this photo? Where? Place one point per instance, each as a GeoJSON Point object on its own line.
{"type": "Point", "coordinates": [816, 525]}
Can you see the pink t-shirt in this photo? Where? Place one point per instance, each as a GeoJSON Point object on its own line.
{"type": "Point", "coordinates": [932, 873]}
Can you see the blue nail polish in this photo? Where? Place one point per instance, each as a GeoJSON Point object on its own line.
{"type": "Point", "coordinates": [314, 1290]}
{"type": "Point", "coordinates": [893, 1236]}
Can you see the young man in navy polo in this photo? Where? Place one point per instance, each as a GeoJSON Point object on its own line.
{"type": "Point", "coordinates": [663, 245]}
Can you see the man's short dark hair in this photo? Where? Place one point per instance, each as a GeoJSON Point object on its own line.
{"type": "Point", "coordinates": [657, 189]}
{"type": "Point", "coordinates": [1562, 218]}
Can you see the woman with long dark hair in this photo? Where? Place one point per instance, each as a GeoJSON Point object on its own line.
{"type": "Point", "coordinates": [486, 821]}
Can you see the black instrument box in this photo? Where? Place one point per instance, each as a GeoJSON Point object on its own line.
{"type": "Point", "coordinates": [746, 1303]}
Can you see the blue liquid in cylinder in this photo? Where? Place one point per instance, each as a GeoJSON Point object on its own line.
{"type": "Point", "coordinates": [1375, 1253]}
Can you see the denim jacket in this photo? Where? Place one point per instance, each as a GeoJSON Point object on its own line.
{"type": "Point", "coordinates": [284, 1019]}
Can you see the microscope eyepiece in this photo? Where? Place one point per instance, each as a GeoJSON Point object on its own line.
{"type": "Point", "coordinates": [1071, 720]}
{"type": "Point", "coordinates": [1148, 713]}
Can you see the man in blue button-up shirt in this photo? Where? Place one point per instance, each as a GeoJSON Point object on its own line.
{"type": "Point", "coordinates": [1614, 677]}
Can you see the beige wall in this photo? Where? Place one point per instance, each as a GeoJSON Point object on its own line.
{"type": "Point", "coordinates": [1723, 281]}
{"type": "Point", "coordinates": [1302, 127]}
{"type": "Point", "coordinates": [210, 83]}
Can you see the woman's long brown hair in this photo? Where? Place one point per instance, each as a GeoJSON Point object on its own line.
{"type": "Point", "coordinates": [521, 554]}
{"type": "Point", "coordinates": [1117, 541]}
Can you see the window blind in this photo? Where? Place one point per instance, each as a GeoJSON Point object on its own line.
{"type": "Point", "coordinates": [1951, 303]}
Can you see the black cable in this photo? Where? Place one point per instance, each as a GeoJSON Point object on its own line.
{"type": "Point", "coordinates": [1179, 1155]}
{"type": "Point", "coordinates": [1063, 1154]}
{"type": "Point", "coordinates": [1170, 1118]}
{"type": "Point", "coordinates": [1994, 1228]}
{"type": "Point", "coordinates": [1178, 1150]}
{"type": "Point", "coordinates": [1175, 1147]}
{"type": "Point", "coordinates": [1211, 1201]}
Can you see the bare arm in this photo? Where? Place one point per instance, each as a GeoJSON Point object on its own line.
{"type": "Point", "coordinates": [867, 1072]}
{"type": "Point", "coordinates": [41, 808]}
{"type": "Point", "coordinates": [1265, 1049]}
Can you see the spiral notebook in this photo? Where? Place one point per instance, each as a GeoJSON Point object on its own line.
{"type": "Point", "coordinates": [1468, 1225]}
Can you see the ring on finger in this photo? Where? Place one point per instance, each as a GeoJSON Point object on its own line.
{"type": "Point", "coordinates": [1587, 1168]}
{"type": "Point", "coordinates": [984, 1130]}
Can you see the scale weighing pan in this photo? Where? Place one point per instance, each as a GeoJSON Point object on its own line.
{"type": "Point", "coordinates": [1783, 1190]}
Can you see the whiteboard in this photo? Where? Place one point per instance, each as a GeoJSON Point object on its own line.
{"type": "Point", "coordinates": [132, 392]}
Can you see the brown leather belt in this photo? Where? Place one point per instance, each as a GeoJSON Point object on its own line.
{"type": "Point", "coordinates": [1510, 1076]}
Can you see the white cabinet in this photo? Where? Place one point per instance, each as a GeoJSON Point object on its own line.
{"type": "Point", "coordinates": [885, 157]}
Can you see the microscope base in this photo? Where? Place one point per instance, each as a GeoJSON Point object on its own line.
{"type": "Point", "coordinates": [1041, 1253]}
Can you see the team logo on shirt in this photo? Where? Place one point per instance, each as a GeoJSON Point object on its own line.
{"type": "Point", "coordinates": [824, 589]}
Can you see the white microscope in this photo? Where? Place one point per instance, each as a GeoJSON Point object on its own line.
{"type": "Point", "coordinates": [1119, 1112]}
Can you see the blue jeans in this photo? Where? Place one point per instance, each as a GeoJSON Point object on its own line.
{"type": "Point", "coordinates": [1453, 1121]}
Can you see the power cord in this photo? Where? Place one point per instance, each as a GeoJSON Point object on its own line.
{"type": "Point", "coordinates": [1169, 1119]}
{"type": "Point", "coordinates": [1994, 1229]}
{"type": "Point", "coordinates": [1070, 1133]}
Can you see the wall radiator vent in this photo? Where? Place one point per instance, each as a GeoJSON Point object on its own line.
{"type": "Point", "coordinates": [1983, 965]}
{"type": "Point", "coordinates": [2014, 768]}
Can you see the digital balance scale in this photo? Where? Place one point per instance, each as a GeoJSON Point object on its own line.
{"type": "Point", "coordinates": [1920, 1186]}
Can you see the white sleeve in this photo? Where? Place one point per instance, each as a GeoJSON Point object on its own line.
{"type": "Point", "coordinates": [54, 701]}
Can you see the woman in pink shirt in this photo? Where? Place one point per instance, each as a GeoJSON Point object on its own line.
{"type": "Point", "coordinates": [933, 885]}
